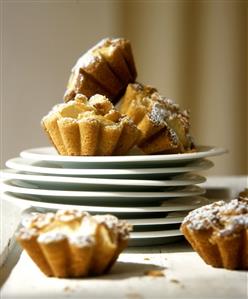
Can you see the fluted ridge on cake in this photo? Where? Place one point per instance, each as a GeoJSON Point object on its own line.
{"type": "Point", "coordinates": [71, 243]}
{"type": "Point", "coordinates": [91, 127]}
{"type": "Point", "coordinates": [164, 127]}
{"type": "Point", "coordinates": [219, 233]}
{"type": "Point", "coordinates": [105, 69]}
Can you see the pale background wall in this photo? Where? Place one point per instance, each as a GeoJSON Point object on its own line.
{"type": "Point", "coordinates": [194, 52]}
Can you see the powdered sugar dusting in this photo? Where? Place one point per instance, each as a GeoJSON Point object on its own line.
{"type": "Point", "coordinates": [69, 215]}
{"type": "Point", "coordinates": [110, 220]}
{"type": "Point", "coordinates": [77, 226]}
{"type": "Point", "coordinates": [39, 220]}
{"type": "Point", "coordinates": [158, 114]}
{"type": "Point", "coordinates": [51, 236]}
{"type": "Point", "coordinates": [223, 217]}
{"type": "Point", "coordinates": [81, 240]}
{"type": "Point", "coordinates": [26, 233]}
{"type": "Point", "coordinates": [173, 137]}
{"type": "Point", "coordinates": [121, 227]}
{"type": "Point", "coordinates": [168, 103]}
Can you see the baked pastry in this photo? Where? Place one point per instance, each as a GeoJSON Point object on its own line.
{"type": "Point", "coordinates": [164, 127]}
{"type": "Point", "coordinates": [106, 69]}
{"type": "Point", "coordinates": [219, 233]}
{"type": "Point", "coordinates": [89, 128]}
{"type": "Point", "coordinates": [70, 243]}
{"type": "Point", "coordinates": [243, 195]}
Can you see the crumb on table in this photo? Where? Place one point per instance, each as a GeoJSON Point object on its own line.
{"type": "Point", "coordinates": [155, 273]}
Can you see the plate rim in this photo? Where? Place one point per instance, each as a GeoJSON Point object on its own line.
{"type": "Point", "coordinates": [9, 174]}
{"type": "Point", "coordinates": [100, 209]}
{"type": "Point", "coordinates": [212, 151]}
{"type": "Point", "coordinates": [157, 221]}
{"type": "Point", "coordinates": [14, 163]}
{"type": "Point", "coordinates": [156, 234]}
{"type": "Point", "coordinates": [112, 194]}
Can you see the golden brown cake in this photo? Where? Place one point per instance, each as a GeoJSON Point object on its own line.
{"type": "Point", "coordinates": [164, 128]}
{"type": "Point", "coordinates": [219, 233]}
{"type": "Point", "coordinates": [106, 69]}
{"type": "Point", "coordinates": [72, 243]}
{"type": "Point", "coordinates": [243, 195]}
{"type": "Point", "coordinates": [91, 127]}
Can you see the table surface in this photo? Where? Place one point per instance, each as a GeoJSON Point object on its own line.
{"type": "Point", "coordinates": [185, 275]}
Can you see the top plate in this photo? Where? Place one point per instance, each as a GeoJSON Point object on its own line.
{"type": "Point", "coordinates": [134, 157]}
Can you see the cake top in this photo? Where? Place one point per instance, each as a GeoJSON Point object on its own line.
{"type": "Point", "coordinates": [77, 226]}
{"type": "Point", "coordinates": [98, 107]}
{"type": "Point", "coordinates": [225, 218]}
{"type": "Point", "coordinates": [164, 110]}
{"type": "Point", "coordinates": [113, 223]}
{"type": "Point", "coordinates": [109, 44]}
{"type": "Point", "coordinates": [160, 109]}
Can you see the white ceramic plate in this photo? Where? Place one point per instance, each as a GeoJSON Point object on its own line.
{"type": "Point", "coordinates": [152, 238]}
{"type": "Point", "coordinates": [90, 184]}
{"type": "Point", "coordinates": [98, 197]}
{"type": "Point", "coordinates": [170, 218]}
{"type": "Point", "coordinates": [170, 205]}
{"type": "Point", "coordinates": [55, 169]}
{"type": "Point", "coordinates": [135, 157]}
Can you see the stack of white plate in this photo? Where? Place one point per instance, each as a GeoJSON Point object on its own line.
{"type": "Point", "coordinates": [153, 192]}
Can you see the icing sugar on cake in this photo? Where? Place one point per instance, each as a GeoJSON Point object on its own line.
{"type": "Point", "coordinates": [164, 126]}
{"type": "Point", "coordinates": [158, 114]}
{"type": "Point", "coordinates": [223, 217]}
{"type": "Point", "coordinates": [121, 227]}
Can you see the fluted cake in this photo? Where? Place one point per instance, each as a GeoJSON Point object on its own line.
{"type": "Point", "coordinates": [91, 127]}
{"type": "Point", "coordinates": [164, 127]}
{"type": "Point", "coordinates": [70, 243]}
{"type": "Point", "coordinates": [219, 233]}
{"type": "Point", "coordinates": [105, 69]}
